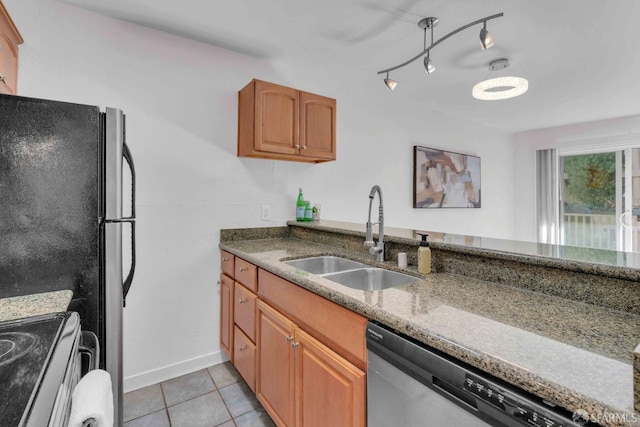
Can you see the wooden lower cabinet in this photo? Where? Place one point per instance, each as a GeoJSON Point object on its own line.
{"type": "Point", "coordinates": [226, 315]}
{"type": "Point", "coordinates": [275, 365]}
{"type": "Point", "coordinates": [302, 382]}
{"type": "Point", "coordinates": [330, 390]}
{"type": "Point", "coordinates": [244, 310]}
{"type": "Point", "coordinates": [244, 357]}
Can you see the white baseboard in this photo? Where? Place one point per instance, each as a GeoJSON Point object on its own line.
{"type": "Point", "coordinates": [164, 373]}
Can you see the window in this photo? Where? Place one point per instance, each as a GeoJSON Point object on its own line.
{"type": "Point", "coordinates": [599, 192]}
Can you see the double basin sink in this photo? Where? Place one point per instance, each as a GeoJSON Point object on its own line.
{"type": "Point", "coordinates": [353, 274]}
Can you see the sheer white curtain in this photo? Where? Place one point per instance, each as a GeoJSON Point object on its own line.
{"type": "Point", "coordinates": [547, 196]}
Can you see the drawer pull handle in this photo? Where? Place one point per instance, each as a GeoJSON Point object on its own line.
{"type": "Point", "coordinates": [243, 348]}
{"type": "Point", "coordinates": [242, 300]}
{"type": "Point", "coordinates": [225, 259]}
{"type": "Point", "coordinates": [243, 269]}
{"type": "Point", "coordinates": [289, 339]}
{"type": "Point", "coordinates": [295, 344]}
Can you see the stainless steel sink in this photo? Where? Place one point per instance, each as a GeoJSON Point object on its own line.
{"type": "Point", "coordinates": [371, 279]}
{"type": "Point", "coordinates": [325, 264]}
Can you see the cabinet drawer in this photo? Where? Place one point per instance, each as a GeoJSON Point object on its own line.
{"type": "Point", "coordinates": [244, 311]}
{"type": "Point", "coordinates": [227, 263]}
{"type": "Point", "coordinates": [247, 274]}
{"type": "Point", "coordinates": [244, 357]}
{"type": "Point", "coordinates": [338, 328]}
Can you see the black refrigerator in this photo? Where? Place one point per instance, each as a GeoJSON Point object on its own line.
{"type": "Point", "coordinates": [61, 213]}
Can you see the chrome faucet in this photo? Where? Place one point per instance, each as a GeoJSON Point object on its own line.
{"type": "Point", "coordinates": [375, 250]}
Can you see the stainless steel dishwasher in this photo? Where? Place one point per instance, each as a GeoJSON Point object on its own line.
{"type": "Point", "coordinates": [410, 384]}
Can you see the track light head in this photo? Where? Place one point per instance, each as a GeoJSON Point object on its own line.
{"type": "Point", "coordinates": [486, 40]}
{"type": "Point", "coordinates": [429, 66]}
{"type": "Point", "coordinates": [391, 84]}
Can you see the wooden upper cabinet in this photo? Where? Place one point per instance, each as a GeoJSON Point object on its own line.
{"type": "Point", "coordinates": [276, 118]}
{"type": "Point", "coordinates": [10, 38]}
{"type": "Point", "coordinates": [278, 122]}
{"type": "Point", "coordinates": [317, 126]}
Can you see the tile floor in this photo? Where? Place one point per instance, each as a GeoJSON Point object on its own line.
{"type": "Point", "coordinates": [216, 396]}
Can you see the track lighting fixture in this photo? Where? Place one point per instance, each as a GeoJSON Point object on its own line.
{"type": "Point", "coordinates": [486, 41]}
{"type": "Point", "coordinates": [391, 84]}
{"type": "Point", "coordinates": [428, 24]}
{"type": "Point", "coordinates": [500, 87]}
{"type": "Point", "coordinates": [428, 65]}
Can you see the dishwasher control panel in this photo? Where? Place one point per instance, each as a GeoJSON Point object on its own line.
{"type": "Point", "coordinates": [517, 408]}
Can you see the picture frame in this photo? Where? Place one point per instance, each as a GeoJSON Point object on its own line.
{"type": "Point", "coordinates": [445, 179]}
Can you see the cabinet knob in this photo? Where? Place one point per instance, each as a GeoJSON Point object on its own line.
{"type": "Point", "coordinates": [243, 348]}
{"type": "Point", "coordinates": [2, 78]}
{"type": "Point", "coordinates": [297, 146]}
{"type": "Point", "coordinates": [242, 300]}
{"type": "Point", "coordinates": [243, 269]}
{"type": "Point", "coordinates": [225, 259]}
{"type": "Point", "coordinates": [289, 339]}
{"type": "Point", "coordinates": [304, 147]}
{"type": "Point", "coordinates": [295, 344]}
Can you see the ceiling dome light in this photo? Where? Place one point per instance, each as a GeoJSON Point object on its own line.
{"type": "Point", "coordinates": [486, 40]}
{"type": "Point", "coordinates": [391, 84]}
{"type": "Point", "coordinates": [428, 65]}
{"type": "Point", "coordinates": [498, 88]}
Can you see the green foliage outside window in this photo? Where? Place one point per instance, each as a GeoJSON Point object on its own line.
{"type": "Point", "coordinates": [590, 182]}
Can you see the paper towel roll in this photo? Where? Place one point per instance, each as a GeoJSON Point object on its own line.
{"type": "Point", "coordinates": [92, 398]}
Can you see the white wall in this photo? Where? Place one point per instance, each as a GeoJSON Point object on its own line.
{"type": "Point", "coordinates": [180, 98]}
{"type": "Point", "coordinates": [610, 133]}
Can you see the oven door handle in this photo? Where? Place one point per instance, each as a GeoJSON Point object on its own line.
{"type": "Point", "coordinates": [89, 348]}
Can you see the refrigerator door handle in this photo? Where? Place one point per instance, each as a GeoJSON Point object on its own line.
{"type": "Point", "coordinates": [126, 153]}
{"type": "Point", "coordinates": [126, 285]}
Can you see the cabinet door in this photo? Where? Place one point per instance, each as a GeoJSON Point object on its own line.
{"type": "Point", "coordinates": [276, 118]}
{"type": "Point", "coordinates": [275, 377]}
{"type": "Point", "coordinates": [10, 38]}
{"type": "Point", "coordinates": [324, 381]}
{"type": "Point", "coordinates": [317, 126]}
{"type": "Point", "coordinates": [226, 315]}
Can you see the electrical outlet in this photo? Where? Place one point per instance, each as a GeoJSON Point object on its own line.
{"type": "Point", "coordinates": [265, 213]}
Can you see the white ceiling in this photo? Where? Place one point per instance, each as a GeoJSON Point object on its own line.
{"type": "Point", "coordinates": [581, 57]}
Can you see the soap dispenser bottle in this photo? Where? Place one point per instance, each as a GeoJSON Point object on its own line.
{"type": "Point", "coordinates": [424, 255]}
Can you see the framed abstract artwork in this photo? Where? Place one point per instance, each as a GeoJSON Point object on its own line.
{"type": "Point", "coordinates": [444, 179]}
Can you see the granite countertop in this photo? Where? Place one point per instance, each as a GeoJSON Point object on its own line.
{"type": "Point", "coordinates": [571, 353]}
{"type": "Point", "coordinates": [34, 304]}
